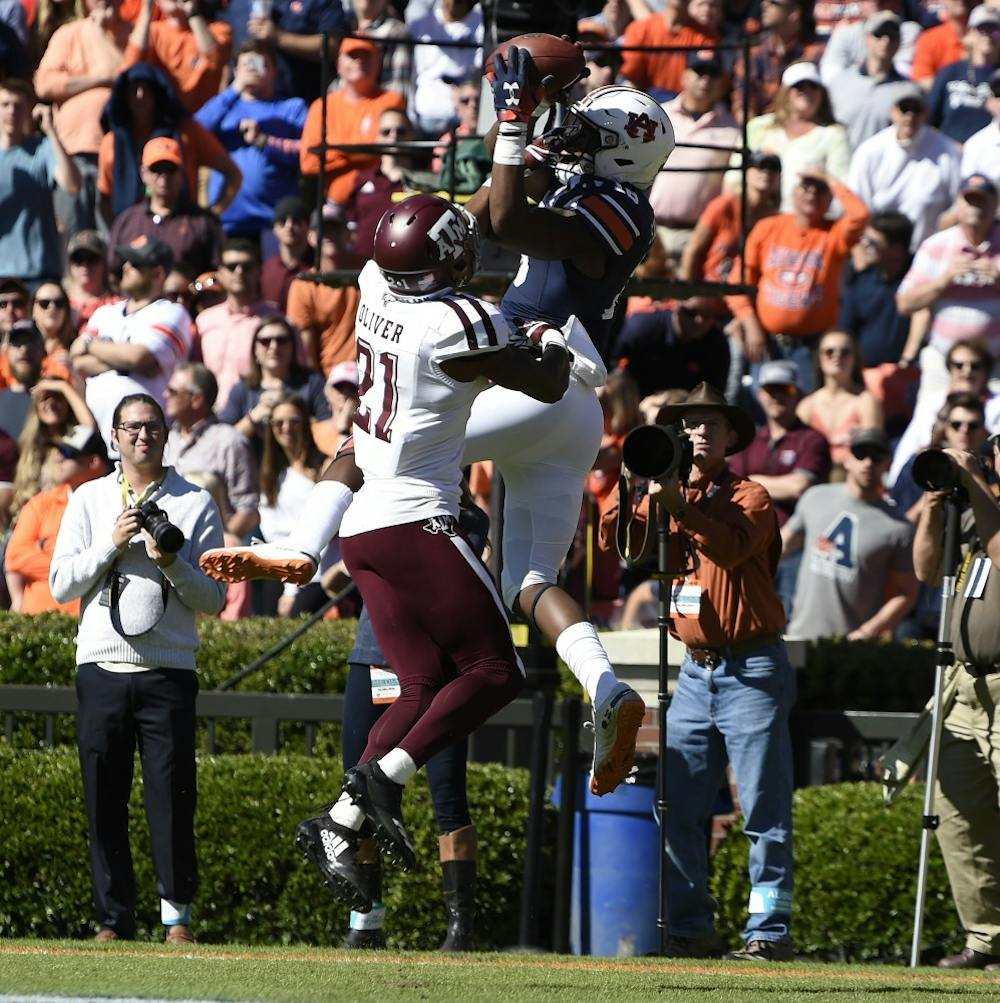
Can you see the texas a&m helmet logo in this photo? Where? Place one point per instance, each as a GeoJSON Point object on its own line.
{"type": "Point", "coordinates": [641, 125]}
{"type": "Point", "coordinates": [449, 233]}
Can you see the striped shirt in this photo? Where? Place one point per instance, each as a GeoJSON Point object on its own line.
{"type": "Point", "coordinates": [970, 306]}
{"type": "Point", "coordinates": [409, 430]}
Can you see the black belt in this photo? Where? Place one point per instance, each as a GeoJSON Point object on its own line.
{"type": "Point", "coordinates": [710, 657]}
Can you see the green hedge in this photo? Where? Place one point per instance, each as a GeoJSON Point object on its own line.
{"type": "Point", "coordinates": [855, 877]}
{"type": "Point", "coordinates": [855, 861]}
{"type": "Point", "coordinates": [255, 886]}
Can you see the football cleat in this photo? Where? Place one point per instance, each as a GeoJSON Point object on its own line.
{"type": "Point", "coordinates": [333, 849]}
{"type": "Point", "coordinates": [382, 802]}
{"type": "Point", "coordinates": [364, 940]}
{"type": "Point", "coordinates": [616, 724]}
{"type": "Point", "coordinates": [259, 560]}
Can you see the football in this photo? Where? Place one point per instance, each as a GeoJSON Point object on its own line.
{"type": "Point", "coordinates": [551, 55]}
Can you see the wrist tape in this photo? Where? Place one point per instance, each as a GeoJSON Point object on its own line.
{"type": "Point", "coordinates": [511, 140]}
{"type": "Point", "coordinates": [553, 337]}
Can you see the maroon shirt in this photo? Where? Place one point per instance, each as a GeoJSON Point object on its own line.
{"type": "Point", "coordinates": [371, 196]}
{"type": "Point", "coordinates": [192, 233]}
{"type": "Point", "coordinates": [8, 458]}
{"type": "Point", "coordinates": [276, 279]}
{"type": "Point", "coordinates": [800, 448]}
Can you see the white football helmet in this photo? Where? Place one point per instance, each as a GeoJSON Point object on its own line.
{"type": "Point", "coordinates": [615, 132]}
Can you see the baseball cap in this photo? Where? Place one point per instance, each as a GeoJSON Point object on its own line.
{"type": "Point", "coordinates": [779, 372]}
{"type": "Point", "coordinates": [984, 14]}
{"type": "Point", "coordinates": [81, 441]}
{"type": "Point", "coordinates": [870, 438]}
{"type": "Point", "coordinates": [472, 76]}
{"type": "Point", "coordinates": [978, 183]}
{"type": "Point", "coordinates": [9, 284]}
{"type": "Point", "coordinates": [765, 161]}
{"type": "Point", "coordinates": [145, 253]}
{"type": "Point", "coordinates": [880, 19]}
{"type": "Point", "coordinates": [24, 330]}
{"type": "Point", "coordinates": [344, 372]}
{"type": "Point", "coordinates": [291, 205]}
{"type": "Point", "coordinates": [349, 45]}
{"type": "Point", "coordinates": [331, 215]}
{"type": "Point", "coordinates": [801, 73]}
{"type": "Point", "coordinates": [911, 92]}
{"type": "Point", "coordinates": [705, 61]}
{"type": "Point", "coordinates": [161, 149]}
{"type": "Point", "coordinates": [88, 241]}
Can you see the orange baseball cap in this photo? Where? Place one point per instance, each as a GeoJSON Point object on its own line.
{"type": "Point", "coordinates": [348, 45]}
{"type": "Point", "coordinates": [161, 149]}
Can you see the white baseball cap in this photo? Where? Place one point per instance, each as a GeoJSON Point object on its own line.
{"type": "Point", "coordinates": [800, 73]}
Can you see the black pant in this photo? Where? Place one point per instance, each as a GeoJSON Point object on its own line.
{"type": "Point", "coordinates": [156, 711]}
{"type": "Point", "coordinates": [445, 769]}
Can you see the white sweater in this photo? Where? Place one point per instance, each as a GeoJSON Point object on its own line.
{"type": "Point", "coordinates": [84, 554]}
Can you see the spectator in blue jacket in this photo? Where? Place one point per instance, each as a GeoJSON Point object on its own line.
{"type": "Point", "coordinates": [261, 134]}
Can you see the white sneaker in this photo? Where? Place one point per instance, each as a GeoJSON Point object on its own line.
{"type": "Point", "coordinates": [616, 724]}
{"type": "Point", "coordinates": [260, 560]}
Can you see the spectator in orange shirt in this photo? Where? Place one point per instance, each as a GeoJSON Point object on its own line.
{"type": "Point", "coordinates": [143, 105]}
{"type": "Point", "coordinates": [942, 45]}
{"type": "Point", "coordinates": [794, 261]}
{"type": "Point", "coordinates": [192, 52]}
{"type": "Point", "coordinates": [352, 114]}
{"type": "Point", "coordinates": [325, 314]}
{"type": "Point", "coordinates": [29, 553]}
{"type": "Point", "coordinates": [662, 71]}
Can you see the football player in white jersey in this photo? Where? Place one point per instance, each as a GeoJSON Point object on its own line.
{"type": "Point", "coordinates": [425, 353]}
{"type": "Point", "coordinates": [580, 247]}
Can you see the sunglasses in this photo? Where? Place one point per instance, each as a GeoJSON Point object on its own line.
{"type": "Point", "coordinates": [780, 389]}
{"type": "Point", "coordinates": [833, 353]}
{"type": "Point", "coordinates": [869, 453]}
{"type": "Point", "coordinates": [989, 31]}
{"type": "Point", "coordinates": [85, 259]}
{"type": "Point", "coordinates": [975, 365]}
{"type": "Point", "coordinates": [45, 304]}
{"type": "Point", "coordinates": [969, 426]}
{"type": "Point", "coordinates": [886, 33]}
{"type": "Point", "coordinates": [279, 340]}
{"type": "Point", "coordinates": [177, 391]}
{"type": "Point", "coordinates": [164, 168]}
{"type": "Point", "coordinates": [286, 423]}
{"type": "Point", "coordinates": [239, 266]}
{"type": "Point", "coordinates": [911, 107]}
{"type": "Point", "coordinates": [396, 130]}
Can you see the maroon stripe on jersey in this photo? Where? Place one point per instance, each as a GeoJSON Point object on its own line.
{"type": "Point", "coordinates": [470, 334]}
{"type": "Point", "coordinates": [491, 331]}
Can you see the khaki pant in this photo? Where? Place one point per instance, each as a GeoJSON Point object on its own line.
{"type": "Point", "coordinates": [968, 804]}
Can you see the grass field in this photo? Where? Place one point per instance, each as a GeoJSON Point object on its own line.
{"type": "Point", "coordinates": [312, 975]}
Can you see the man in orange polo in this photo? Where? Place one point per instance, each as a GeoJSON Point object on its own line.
{"type": "Point", "coordinates": [352, 113]}
{"type": "Point", "coordinates": [29, 552]}
{"type": "Point", "coordinates": [736, 685]}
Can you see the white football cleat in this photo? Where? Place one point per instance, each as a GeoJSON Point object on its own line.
{"type": "Point", "coordinates": [616, 724]}
{"type": "Point", "coordinates": [260, 560]}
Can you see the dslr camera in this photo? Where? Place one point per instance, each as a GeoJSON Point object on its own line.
{"type": "Point", "coordinates": [935, 470]}
{"type": "Point", "coordinates": [155, 521]}
{"type": "Point", "coordinates": [658, 452]}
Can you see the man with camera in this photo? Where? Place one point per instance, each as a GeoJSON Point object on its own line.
{"type": "Point", "coordinates": [128, 546]}
{"type": "Point", "coordinates": [736, 685]}
{"type": "Point", "coordinates": [968, 780]}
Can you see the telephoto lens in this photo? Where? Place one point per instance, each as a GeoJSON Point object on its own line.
{"type": "Point", "coordinates": [166, 535]}
{"type": "Point", "coordinates": [935, 470]}
{"type": "Point", "coordinates": [657, 451]}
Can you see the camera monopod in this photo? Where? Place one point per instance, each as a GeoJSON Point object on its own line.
{"type": "Point", "coordinates": [655, 451]}
{"type": "Point", "coordinates": [931, 479]}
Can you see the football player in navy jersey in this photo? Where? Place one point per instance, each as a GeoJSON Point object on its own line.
{"type": "Point", "coordinates": [580, 245]}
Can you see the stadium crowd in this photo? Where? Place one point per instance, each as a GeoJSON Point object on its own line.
{"type": "Point", "coordinates": [160, 165]}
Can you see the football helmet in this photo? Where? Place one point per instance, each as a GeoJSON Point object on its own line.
{"type": "Point", "coordinates": [425, 244]}
{"type": "Point", "coordinates": [615, 132]}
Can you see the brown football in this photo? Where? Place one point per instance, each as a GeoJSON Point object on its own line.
{"type": "Point", "coordinates": [552, 56]}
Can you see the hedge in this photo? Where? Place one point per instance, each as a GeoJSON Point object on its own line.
{"type": "Point", "coordinates": [855, 861]}
{"type": "Point", "coordinates": [255, 886]}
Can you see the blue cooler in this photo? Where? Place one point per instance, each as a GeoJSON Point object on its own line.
{"type": "Point", "coordinates": [615, 871]}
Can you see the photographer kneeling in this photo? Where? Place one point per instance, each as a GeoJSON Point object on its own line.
{"type": "Point", "coordinates": [736, 685]}
{"type": "Point", "coordinates": [967, 790]}
{"type": "Point", "coordinates": [129, 546]}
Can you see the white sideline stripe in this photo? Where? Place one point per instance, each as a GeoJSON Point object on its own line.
{"type": "Point", "coordinates": [94, 999]}
{"type": "Point", "coordinates": [483, 575]}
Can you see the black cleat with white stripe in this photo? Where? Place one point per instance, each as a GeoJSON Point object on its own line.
{"type": "Point", "coordinates": [333, 849]}
{"type": "Point", "coordinates": [382, 802]}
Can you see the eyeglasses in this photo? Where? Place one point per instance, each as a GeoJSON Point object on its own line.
{"type": "Point", "coordinates": [176, 391]}
{"type": "Point", "coordinates": [833, 353]}
{"type": "Point", "coordinates": [12, 303]}
{"type": "Point", "coordinates": [969, 426]}
{"type": "Point", "coordinates": [277, 340]}
{"type": "Point", "coordinates": [237, 266]}
{"type": "Point", "coordinates": [45, 304]}
{"type": "Point", "coordinates": [286, 422]}
{"type": "Point", "coordinates": [153, 429]}
{"type": "Point", "coordinates": [974, 365]}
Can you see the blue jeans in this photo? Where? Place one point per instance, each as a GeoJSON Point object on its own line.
{"type": "Point", "coordinates": [738, 709]}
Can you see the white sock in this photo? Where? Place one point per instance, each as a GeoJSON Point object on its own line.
{"type": "Point", "coordinates": [398, 766]}
{"type": "Point", "coordinates": [581, 649]}
{"type": "Point", "coordinates": [321, 519]}
{"type": "Point", "coordinates": [346, 813]}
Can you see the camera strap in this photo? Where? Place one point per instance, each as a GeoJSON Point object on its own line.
{"type": "Point", "coordinates": [113, 588]}
{"type": "Point", "coordinates": [623, 527]}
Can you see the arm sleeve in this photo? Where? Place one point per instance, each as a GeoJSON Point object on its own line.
{"type": "Point", "coordinates": [79, 562]}
{"type": "Point", "coordinates": [748, 526]}
{"type": "Point", "coordinates": [194, 588]}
